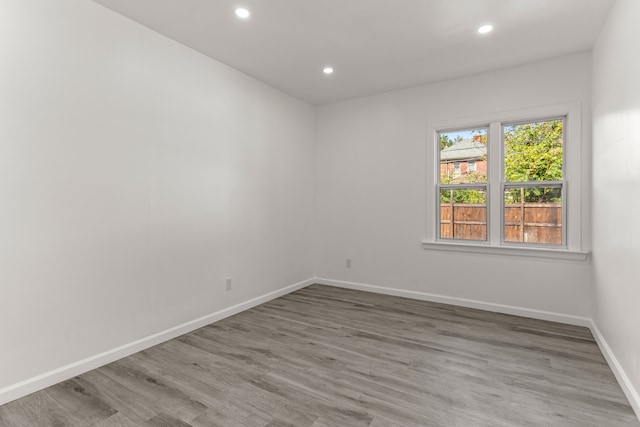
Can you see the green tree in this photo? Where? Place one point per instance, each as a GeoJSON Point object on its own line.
{"type": "Point", "coordinates": [445, 141]}
{"type": "Point", "coordinates": [533, 152]}
{"type": "Point", "coordinates": [465, 196]}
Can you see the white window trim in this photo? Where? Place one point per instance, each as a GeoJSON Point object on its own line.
{"type": "Point", "coordinates": [503, 250]}
{"type": "Point", "coordinates": [572, 184]}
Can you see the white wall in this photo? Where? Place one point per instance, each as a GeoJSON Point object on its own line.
{"type": "Point", "coordinates": [616, 186]}
{"type": "Point", "coordinates": [135, 175]}
{"type": "Point", "coordinates": [370, 163]}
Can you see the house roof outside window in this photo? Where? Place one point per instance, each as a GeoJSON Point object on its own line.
{"type": "Point", "coordinates": [467, 149]}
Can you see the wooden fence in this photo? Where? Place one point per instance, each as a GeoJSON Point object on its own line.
{"type": "Point", "coordinates": [524, 222]}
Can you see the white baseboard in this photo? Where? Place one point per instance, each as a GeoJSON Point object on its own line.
{"type": "Point", "coordinates": [481, 305]}
{"type": "Point", "coordinates": [627, 387]}
{"type": "Point", "coordinates": [23, 388]}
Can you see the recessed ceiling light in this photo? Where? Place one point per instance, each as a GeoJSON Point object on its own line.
{"type": "Point", "coordinates": [327, 70]}
{"type": "Point", "coordinates": [485, 29]}
{"type": "Point", "coordinates": [243, 13]}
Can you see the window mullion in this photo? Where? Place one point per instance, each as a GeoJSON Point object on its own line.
{"type": "Point", "coordinates": [494, 200]}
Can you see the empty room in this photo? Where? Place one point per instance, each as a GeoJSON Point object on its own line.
{"type": "Point", "coordinates": [318, 213]}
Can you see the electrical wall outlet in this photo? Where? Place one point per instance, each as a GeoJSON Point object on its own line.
{"type": "Point", "coordinates": [229, 283]}
{"type": "Point", "coordinates": [348, 263]}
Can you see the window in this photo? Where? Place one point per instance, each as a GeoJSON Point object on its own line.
{"type": "Point", "coordinates": [532, 179]}
{"type": "Point", "coordinates": [502, 183]}
{"type": "Point", "coordinates": [463, 198]}
{"type": "Point", "coordinates": [471, 166]}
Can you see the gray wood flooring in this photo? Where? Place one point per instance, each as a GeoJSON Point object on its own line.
{"type": "Point", "coordinates": [324, 356]}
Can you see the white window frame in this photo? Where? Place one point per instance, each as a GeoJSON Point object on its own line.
{"type": "Point", "coordinates": [571, 249]}
{"type": "Point", "coordinates": [457, 186]}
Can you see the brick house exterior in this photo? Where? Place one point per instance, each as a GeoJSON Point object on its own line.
{"type": "Point", "coordinates": [462, 159]}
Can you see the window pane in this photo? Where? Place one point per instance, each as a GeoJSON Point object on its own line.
{"type": "Point", "coordinates": [533, 215]}
{"type": "Point", "coordinates": [463, 214]}
{"type": "Point", "coordinates": [457, 150]}
{"type": "Point", "coordinates": [533, 151]}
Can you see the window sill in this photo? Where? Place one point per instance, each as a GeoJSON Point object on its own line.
{"type": "Point", "coordinates": [547, 253]}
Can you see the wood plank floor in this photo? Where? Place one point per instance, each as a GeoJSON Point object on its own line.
{"type": "Point", "coordinates": [325, 356]}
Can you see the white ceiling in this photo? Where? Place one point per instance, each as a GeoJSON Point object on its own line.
{"type": "Point", "coordinates": [374, 45]}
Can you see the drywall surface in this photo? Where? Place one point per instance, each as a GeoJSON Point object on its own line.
{"type": "Point", "coordinates": [616, 184]}
{"type": "Point", "coordinates": [135, 176]}
{"type": "Point", "coordinates": [371, 184]}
